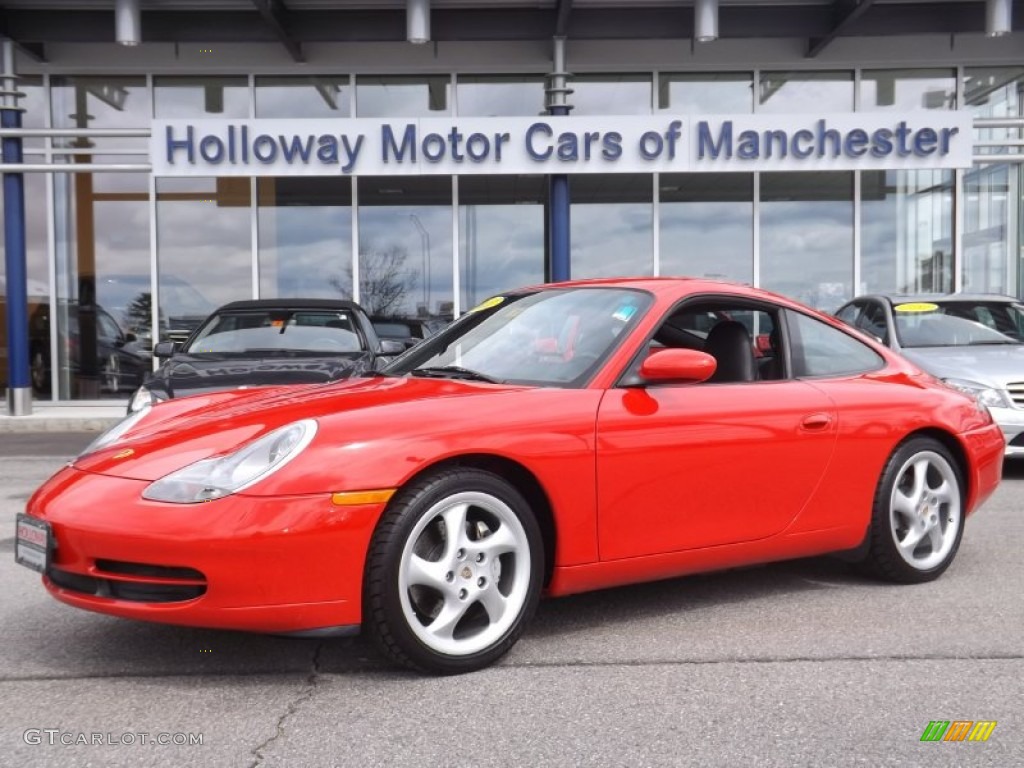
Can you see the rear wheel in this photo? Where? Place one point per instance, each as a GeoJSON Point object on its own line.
{"type": "Point", "coordinates": [917, 521]}
{"type": "Point", "coordinates": [454, 572]}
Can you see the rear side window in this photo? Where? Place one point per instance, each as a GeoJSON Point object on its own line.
{"type": "Point", "coordinates": [818, 349]}
{"type": "Point", "coordinates": [872, 320]}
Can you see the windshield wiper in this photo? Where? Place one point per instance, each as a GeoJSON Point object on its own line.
{"type": "Point", "coordinates": [453, 372]}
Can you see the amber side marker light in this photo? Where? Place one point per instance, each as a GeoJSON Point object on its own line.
{"type": "Point", "coordinates": [351, 498]}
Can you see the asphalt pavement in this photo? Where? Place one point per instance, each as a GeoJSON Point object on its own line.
{"type": "Point", "coordinates": [796, 664]}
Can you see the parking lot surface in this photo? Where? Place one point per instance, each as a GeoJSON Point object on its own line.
{"type": "Point", "coordinates": [802, 663]}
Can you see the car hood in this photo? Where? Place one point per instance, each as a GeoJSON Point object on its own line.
{"type": "Point", "coordinates": [191, 374]}
{"type": "Point", "coordinates": [172, 436]}
{"type": "Point", "coordinates": [995, 365]}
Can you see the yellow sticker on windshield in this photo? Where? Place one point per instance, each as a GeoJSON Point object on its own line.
{"type": "Point", "coordinates": [492, 302]}
{"type": "Point", "coordinates": [918, 306]}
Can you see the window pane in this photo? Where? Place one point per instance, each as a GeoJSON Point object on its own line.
{"type": "Point", "coordinates": [101, 102]}
{"type": "Point", "coordinates": [290, 97]}
{"type": "Point", "coordinates": [707, 225]}
{"type": "Point", "coordinates": [906, 231]}
{"type": "Point", "coordinates": [501, 234]}
{"type": "Point", "coordinates": [500, 95]}
{"type": "Point", "coordinates": [305, 237]}
{"type": "Point", "coordinates": [612, 226]}
{"type": "Point", "coordinates": [403, 96]}
{"type": "Point", "coordinates": [807, 236]}
{"type": "Point", "coordinates": [405, 246]}
{"type": "Point", "coordinates": [103, 286]}
{"type": "Point", "coordinates": [722, 93]}
{"type": "Point", "coordinates": [177, 97]}
{"type": "Point", "coordinates": [821, 350]}
{"type": "Point", "coordinates": [989, 193]}
{"type": "Point", "coordinates": [994, 194]}
{"type": "Point", "coordinates": [907, 89]}
{"type": "Point", "coordinates": [631, 94]}
{"type": "Point", "coordinates": [784, 92]}
{"type": "Point", "coordinates": [204, 249]}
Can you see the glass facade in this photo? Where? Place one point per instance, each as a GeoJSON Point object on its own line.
{"type": "Point", "coordinates": [101, 243]}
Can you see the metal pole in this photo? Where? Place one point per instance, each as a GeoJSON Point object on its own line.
{"type": "Point", "coordinates": [560, 202]}
{"type": "Point", "coordinates": [19, 383]}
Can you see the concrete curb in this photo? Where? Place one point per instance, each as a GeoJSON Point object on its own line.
{"type": "Point", "coordinates": [26, 424]}
{"type": "Point", "coordinates": [49, 418]}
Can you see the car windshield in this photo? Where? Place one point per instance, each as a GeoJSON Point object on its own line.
{"type": "Point", "coordinates": [959, 323]}
{"type": "Point", "coordinates": [277, 332]}
{"type": "Point", "coordinates": [556, 337]}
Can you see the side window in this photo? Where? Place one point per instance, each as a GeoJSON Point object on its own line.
{"type": "Point", "coordinates": [742, 339]}
{"type": "Point", "coordinates": [872, 320]}
{"type": "Point", "coordinates": [848, 313]}
{"type": "Point", "coordinates": [818, 349]}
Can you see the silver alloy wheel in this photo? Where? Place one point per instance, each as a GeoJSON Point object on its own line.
{"type": "Point", "coordinates": [464, 575]}
{"type": "Point", "coordinates": [924, 510]}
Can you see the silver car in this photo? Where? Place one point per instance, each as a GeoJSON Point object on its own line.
{"type": "Point", "coordinates": [974, 342]}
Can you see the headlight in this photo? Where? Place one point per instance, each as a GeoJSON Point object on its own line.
{"type": "Point", "coordinates": [144, 397]}
{"type": "Point", "coordinates": [116, 432]}
{"type": "Point", "coordinates": [214, 478]}
{"type": "Point", "coordinates": [984, 394]}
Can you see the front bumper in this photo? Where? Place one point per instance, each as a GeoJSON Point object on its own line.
{"type": "Point", "coordinates": [265, 564]}
{"type": "Point", "coordinates": [985, 447]}
{"type": "Point", "coordinates": [1011, 421]}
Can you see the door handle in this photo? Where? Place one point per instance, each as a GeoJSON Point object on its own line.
{"type": "Point", "coordinates": [816, 421]}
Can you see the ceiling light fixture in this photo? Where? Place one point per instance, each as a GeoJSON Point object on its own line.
{"type": "Point", "coordinates": [705, 20]}
{"type": "Point", "coordinates": [127, 22]}
{"type": "Point", "coordinates": [998, 17]}
{"type": "Point", "coordinates": [417, 21]}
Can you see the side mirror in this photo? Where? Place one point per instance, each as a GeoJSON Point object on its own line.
{"type": "Point", "coordinates": [390, 347]}
{"type": "Point", "coordinates": [130, 337]}
{"type": "Point", "coordinates": [165, 349]}
{"type": "Point", "coordinates": [677, 365]}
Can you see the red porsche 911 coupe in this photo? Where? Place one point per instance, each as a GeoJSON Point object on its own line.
{"type": "Point", "coordinates": [553, 440]}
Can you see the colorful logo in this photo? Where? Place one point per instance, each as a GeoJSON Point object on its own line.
{"type": "Point", "coordinates": [958, 730]}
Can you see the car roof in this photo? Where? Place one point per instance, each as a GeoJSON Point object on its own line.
{"type": "Point", "coordinates": [337, 304]}
{"type": "Point", "coordinates": [665, 285]}
{"type": "Point", "coordinates": [939, 298]}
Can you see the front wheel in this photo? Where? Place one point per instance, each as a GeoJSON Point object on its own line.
{"type": "Point", "coordinates": [454, 572]}
{"type": "Point", "coordinates": [918, 517]}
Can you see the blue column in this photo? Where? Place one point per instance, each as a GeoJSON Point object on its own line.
{"type": "Point", "coordinates": [558, 220]}
{"type": "Point", "coordinates": [19, 385]}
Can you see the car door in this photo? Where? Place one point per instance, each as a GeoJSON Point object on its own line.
{"type": "Point", "coordinates": [683, 466]}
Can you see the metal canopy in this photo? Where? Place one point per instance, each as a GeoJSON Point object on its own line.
{"type": "Point", "coordinates": [32, 24]}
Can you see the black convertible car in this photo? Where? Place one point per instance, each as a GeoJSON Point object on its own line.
{"type": "Point", "coordinates": [267, 343]}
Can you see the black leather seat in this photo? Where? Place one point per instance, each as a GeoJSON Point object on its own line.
{"type": "Point", "coordinates": [729, 343]}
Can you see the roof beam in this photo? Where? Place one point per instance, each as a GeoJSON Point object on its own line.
{"type": "Point", "coordinates": [33, 50]}
{"type": "Point", "coordinates": [275, 16]}
{"type": "Point", "coordinates": [845, 13]}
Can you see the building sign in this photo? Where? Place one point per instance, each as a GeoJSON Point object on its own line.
{"type": "Point", "coordinates": [543, 145]}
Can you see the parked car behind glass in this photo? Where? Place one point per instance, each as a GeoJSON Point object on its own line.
{"type": "Point", "coordinates": [409, 331]}
{"type": "Point", "coordinates": [267, 343]}
{"type": "Point", "coordinates": [975, 342]}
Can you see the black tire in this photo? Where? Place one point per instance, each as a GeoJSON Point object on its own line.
{"type": "Point", "coordinates": [403, 604]}
{"type": "Point", "coordinates": [905, 508]}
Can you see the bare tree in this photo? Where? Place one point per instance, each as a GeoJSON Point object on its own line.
{"type": "Point", "coordinates": [384, 281]}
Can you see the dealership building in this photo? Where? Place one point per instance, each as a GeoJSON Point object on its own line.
{"type": "Point", "coordinates": [163, 157]}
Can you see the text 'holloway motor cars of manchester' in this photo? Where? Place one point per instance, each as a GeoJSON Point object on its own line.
{"type": "Point", "coordinates": [553, 440]}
